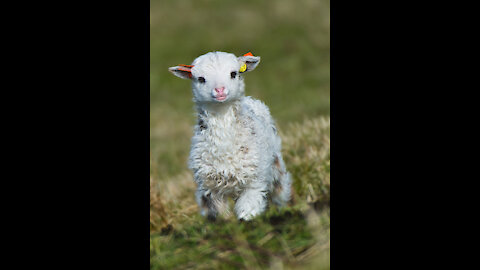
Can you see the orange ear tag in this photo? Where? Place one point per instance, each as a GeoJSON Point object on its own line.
{"type": "Point", "coordinates": [248, 54]}
{"type": "Point", "coordinates": [186, 68]}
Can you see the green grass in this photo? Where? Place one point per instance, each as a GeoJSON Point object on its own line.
{"type": "Point", "coordinates": [284, 237]}
{"type": "Point", "coordinates": [292, 37]}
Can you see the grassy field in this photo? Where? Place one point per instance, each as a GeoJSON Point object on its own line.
{"type": "Point", "coordinates": [292, 37]}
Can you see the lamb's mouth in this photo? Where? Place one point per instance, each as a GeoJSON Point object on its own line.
{"type": "Point", "coordinates": [220, 98]}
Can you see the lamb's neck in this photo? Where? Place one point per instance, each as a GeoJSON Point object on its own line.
{"type": "Point", "coordinates": [218, 110]}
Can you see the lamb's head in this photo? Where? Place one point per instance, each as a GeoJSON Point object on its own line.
{"type": "Point", "coordinates": [217, 76]}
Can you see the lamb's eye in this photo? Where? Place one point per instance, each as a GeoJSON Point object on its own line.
{"type": "Point", "coordinates": [233, 74]}
{"type": "Point", "coordinates": [201, 79]}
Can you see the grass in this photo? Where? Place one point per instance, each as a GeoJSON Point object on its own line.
{"type": "Point", "coordinates": [292, 37]}
{"type": "Point", "coordinates": [294, 236]}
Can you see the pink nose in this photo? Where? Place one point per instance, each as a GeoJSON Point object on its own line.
{"type": "Point", "coordinates": [219, 90]}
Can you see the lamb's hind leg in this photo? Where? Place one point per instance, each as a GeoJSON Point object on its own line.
{"type": "Point", "coordinates": [282, 183]}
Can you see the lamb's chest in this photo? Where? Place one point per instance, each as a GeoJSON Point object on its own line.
{"type": "Point", "coordinates": [223, 150]}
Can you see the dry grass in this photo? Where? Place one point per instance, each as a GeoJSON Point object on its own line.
{"type": "Point", "coordinates": [172, 201]}
{"type": "Point", "coordinates": [306, 148]}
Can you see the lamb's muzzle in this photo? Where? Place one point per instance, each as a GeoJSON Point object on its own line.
{"type": "Point", "coordinates": [220, 94]}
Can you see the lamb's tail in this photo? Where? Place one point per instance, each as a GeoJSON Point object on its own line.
{"type": "Point", "coordinates": [282, 192]}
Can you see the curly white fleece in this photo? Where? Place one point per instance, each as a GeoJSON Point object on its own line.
{"type": "Point", "coordinates": [235, 150]}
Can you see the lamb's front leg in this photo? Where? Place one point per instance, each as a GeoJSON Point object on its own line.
{"type": "Point", "coordinates": [206, 203]}
{"type": "Point", "coordinates": [211, 204]}
{"type": "Point", "coordinates": [251, 203]}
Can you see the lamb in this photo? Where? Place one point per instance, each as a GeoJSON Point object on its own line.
{"type": "Point", "coordinates": [235, 150]}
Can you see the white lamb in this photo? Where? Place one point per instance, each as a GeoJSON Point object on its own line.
{"type": "Point", "coordinates": [235, 149]}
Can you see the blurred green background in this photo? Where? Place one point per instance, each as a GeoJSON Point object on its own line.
{"type": "Point", "coordinates": [293, 80]}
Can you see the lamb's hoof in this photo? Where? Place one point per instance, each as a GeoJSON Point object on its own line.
{"type": "Point", "coordinates": [211, 218]}
{"type": "Point", "coordinates": [245, 219]}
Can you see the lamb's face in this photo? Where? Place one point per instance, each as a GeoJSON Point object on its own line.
{"type": "Point", "coordinates": [216, 76]}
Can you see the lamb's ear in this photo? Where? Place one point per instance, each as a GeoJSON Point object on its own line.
{"type": "Point", "coordinates": [248, 62]}
{"type": "Point", "coordinates": [182, 71]}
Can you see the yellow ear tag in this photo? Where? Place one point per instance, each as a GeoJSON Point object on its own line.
{"type": "Point", "coordinates": [243, 67]}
